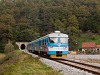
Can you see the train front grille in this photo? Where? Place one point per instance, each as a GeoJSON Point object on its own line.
{"type": "Point", "coordinates": [59, 53]}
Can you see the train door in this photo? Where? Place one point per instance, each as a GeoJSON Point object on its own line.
{"type": "Point", "coordinates": [59, 51]}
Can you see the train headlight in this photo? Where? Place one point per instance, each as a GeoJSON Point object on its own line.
{"type": "Point", "coordinates": [51, 47]}
{"type": "Point", "coordinates": [65, 47]}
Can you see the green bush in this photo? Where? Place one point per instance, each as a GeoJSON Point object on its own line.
{"type": "Point", "coordinates": [16, 47]}
{"type": "Point", "coordinates": [93, 37]}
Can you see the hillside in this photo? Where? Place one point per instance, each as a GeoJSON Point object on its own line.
{"type": "Point", "coordinates": [27, 20]}
{"type": "Point", "coordinates": [23, 64]}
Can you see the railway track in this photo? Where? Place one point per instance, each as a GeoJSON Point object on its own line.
{"type": "Point", "coordinates": [83, 66]}
{"type": "Point", "coordinates": [86, 67]}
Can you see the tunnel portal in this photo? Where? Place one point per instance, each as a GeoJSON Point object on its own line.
{"type": "Point", "coordinates": [22, 47]}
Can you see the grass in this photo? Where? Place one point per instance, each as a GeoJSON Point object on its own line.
{"type": "Point", "coordinates": [23, 64]}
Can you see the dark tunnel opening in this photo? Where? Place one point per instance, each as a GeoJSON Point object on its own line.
{"type": "Point", "coordinates": [22, 46]}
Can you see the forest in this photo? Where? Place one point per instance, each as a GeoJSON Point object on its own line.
{"type": "Point", "coordinates": [27, 20]}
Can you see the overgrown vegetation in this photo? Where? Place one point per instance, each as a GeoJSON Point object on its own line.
{"type": "Point", "coordinates": [9, 52]}
{"type": "Point", "coordinates": [26, 20]}
{"type": "Point", "coordinates": [9, 48]}
{"type": "Point", "coordinates": [23, 64]}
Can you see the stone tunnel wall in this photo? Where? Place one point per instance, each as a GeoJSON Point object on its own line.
{"type": "Point", "coordinates": [22, 45]}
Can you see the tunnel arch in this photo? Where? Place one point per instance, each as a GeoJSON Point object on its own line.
{"type": "Point", "coordinates": [22, 46]}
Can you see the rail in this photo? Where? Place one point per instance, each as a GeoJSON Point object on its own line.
{"type": "Point", "coordinates": [86, 67]}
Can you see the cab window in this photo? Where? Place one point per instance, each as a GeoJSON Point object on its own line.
{"type": "Point", "coordinates": [53, 40]}
{"type": "Point", "coordinates": [64, 40]}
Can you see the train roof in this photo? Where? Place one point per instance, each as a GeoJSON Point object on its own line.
{"type": "Point", "coordinates": [55, 34]}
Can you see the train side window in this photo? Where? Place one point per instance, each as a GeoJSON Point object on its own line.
{"type": "Point", "coordinates": [45, 42]}
{"type": "Point", "coordinates": [32, 45]}
{"type": "Point", "coordinates": [41, 42]}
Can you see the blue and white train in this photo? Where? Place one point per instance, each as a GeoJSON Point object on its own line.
{"type": "Point", "coordinates": [55, 45]}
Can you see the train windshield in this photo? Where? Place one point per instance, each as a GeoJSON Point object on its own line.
{"type": "Point", "coordinates": [53, 40]}
{"type": "Point", "coordinates": [64, 40]}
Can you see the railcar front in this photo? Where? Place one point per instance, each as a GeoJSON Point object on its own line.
{"type": "Point", "coordinates": [58, 45]}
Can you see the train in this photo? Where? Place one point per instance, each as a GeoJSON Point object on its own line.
{"type": "Point", "coordinates": [53, 45]}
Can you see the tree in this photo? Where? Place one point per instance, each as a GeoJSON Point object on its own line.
{"type": "Point", "coordinates": [6, 32]}
{"type": "Point", "coordinates": [9, 47]}
{"type": "Point", "coordinates": [73, 24]}
{"type": "Point", "coordinates": [83, 11]}
{"type": "Point", "coordinates": [58, 25]}
{"type": "Point", "coordinates": [26, 20]}
{"type": "Point", "coordinates": [7, 19]}
{"type": "Point", "coordinates": [50, 25]}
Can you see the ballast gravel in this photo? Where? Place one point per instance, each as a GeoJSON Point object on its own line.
{"type": "Point", "coordinates": [94, 59]}
{"type": "Point", "coordinates": [64, 69]}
